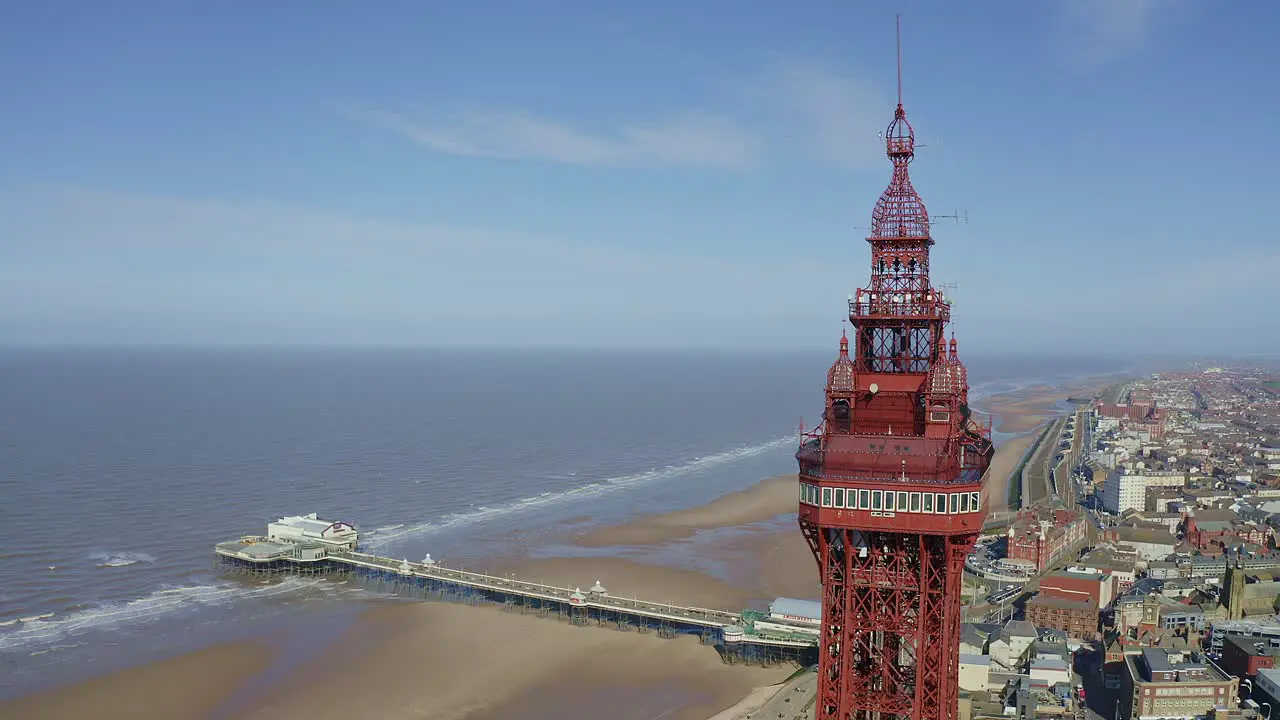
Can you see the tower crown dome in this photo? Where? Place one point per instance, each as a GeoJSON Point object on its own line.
{"type": "Point", "coordinates": [900, 211]}
{"type": "Point", "coordinates": [840, 378]}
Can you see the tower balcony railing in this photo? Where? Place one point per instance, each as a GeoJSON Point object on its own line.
{"type": "Point", "coordinates": [890, 306]}
{"type": "Point", "coordinates": [815, 463]}
{"type": "Point", "coordinates": [966, 476]}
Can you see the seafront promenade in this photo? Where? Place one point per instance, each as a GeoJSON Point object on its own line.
{"type": "Point", "coordinates": [734, 634]}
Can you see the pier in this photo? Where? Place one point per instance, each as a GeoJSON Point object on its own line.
{"type": "Point", "coordinates": [310, 546]}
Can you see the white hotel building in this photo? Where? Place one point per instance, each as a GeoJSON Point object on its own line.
{"type": "Point", "coordinates": [1123, 491]}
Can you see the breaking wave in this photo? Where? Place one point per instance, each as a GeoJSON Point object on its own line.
{"type": "Point", "coordinates": [383, 536]}
{"type": "Point", "coordinates": [39, 631]}
{"type": "Point", "coordinates": [121, 559]}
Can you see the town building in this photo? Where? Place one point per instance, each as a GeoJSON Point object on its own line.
{"type": "Point", "coordinates": [1106, 561]}
{"type": "Point", "coordinates": [1266, 687]}
{"type": "Point", "coordinates": [1042, 536]}
{"type": "Point", "coordinates": [1163, 570]}
{"type": "Point", "coordinates": [975, 673]}
{"type": "Point", "coordinates": [1073, 585]}
{"type": "Point", "coordinates": [1009, 651]}
{"type": "Point", "coordinates": [1166, 684]}
{"type": "Point", "coordinates": [1245, 656]}
{"type": "Point", "coordinates": [1206, 529]}
{"type": "Point", "coordinates": [1149, 541]}
{"type": "Point", "coordinates": [1049, 671]}
{"type": "Point", "coordinates": [1128, 491]}
{"type": "Point", "coordinates": [1076, 618]}
{"type": "Point", "coordinates": [1220, 630]}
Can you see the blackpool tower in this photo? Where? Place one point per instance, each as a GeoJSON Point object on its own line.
{"type": "Point", "coordinates": [890, 482]}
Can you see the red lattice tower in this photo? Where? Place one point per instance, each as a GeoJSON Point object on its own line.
{"type": "Point", "coordinates": [890, 482]}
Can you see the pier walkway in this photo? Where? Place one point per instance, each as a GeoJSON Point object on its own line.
{"type": "Point", "coordinates": [732, 633]}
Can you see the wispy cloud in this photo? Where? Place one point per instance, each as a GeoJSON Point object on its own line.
{"type": "Point", "coordinates": [829, 116]}
{"type": "Point", "coordinates": [81, 265]}
{"type": "Point", "coordinates": [1095, 33]}
{"type": "Point", "coordinates": [791, 108]}
{"type": "Point", "coordinates": [693, 139]}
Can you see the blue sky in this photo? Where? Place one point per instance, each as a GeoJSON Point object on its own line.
{"type": "Point", "coordinates": [660, 173]}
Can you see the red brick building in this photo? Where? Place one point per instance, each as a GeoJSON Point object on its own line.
{"type": "Point", "coordinates": [1079, 587]}
{"type": "Point", "coordinates": [1213, 529]}
{"type": "Point", "coordinates": [1077, 618]}
{"type": "Point", "coordinates": [1244, 656]}
{"type": "Point", "coordinates": [1044, 535]}
{"type": "Point", "coordinates": [1138, 415]}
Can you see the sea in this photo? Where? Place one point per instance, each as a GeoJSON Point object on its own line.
{"type": "Point", "coordinates": [121, 467]}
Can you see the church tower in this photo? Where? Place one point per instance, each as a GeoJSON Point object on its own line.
{"type": "Point", "coordinates": [1233, 590]}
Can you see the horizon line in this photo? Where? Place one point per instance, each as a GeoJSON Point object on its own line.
{"type": "Point", "coordinates": [489, 347]}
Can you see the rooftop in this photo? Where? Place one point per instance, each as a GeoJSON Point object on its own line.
{"type": "Point", "coordinates": [255, 548]}
{"type": "Point", "coordinates": [1094, 576]}
{"type": "Point", "coordinates": [1019, 628]}
{"type": "Point", "coordinates": [1268, 647]}
{"type": "Point", "coordinates": [798, 608]}
{"type": "Point", "coordinates": [1049, 663]}
{"type": "Point", "coordinates": [1042, 600]}
{"type": "Point", "coordinates": [1169, 666]}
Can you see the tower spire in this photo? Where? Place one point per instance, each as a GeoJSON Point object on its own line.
{"type": "Point", "coordinates": [900, 213]}
{"type": "Point", "coordinates": [898, 20]}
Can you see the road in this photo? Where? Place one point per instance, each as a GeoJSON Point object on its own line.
{"type": "Point", "coordinates": [1035, 484]}
{"type": "Point", "coordinates": [1100, 702]}
{"type": "Point", "coordinates": [793, 702]}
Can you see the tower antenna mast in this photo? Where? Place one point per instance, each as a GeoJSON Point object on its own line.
{"type": "Point", "coordinates": [898, 33]}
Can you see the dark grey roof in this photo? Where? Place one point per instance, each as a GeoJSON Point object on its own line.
{"type": "Point", "coordinates": [972, 635]}
{"type": "Point", "coordinates": [1019, 628]}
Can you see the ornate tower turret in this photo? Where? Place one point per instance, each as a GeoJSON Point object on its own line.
{"type": "Point", "coordinates": [842, 385]}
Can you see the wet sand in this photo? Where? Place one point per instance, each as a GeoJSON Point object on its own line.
{"type": "Point", "coordinates": [762, 501]}
{"type": "Point", "coordinates": [1024, 410]}
{"type": "Point", "coordinates": [445, 662]}
{"type": "Point", "coordinates": [188, 686]}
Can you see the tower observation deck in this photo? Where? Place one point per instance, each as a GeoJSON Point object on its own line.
{"type": "Point", "coordinates": [890, 482]}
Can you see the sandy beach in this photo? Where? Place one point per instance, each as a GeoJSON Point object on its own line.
{"type": "Point", "coordinates": [188, 686]}
{"type": "Point", "coordinates": [761, 501]}
{"type": "Point", "coordinates": [1024, 410]}
{"type": "Point", "coordinates": [995, 488]}
{"type": "Point", "coordinates": [438, 660]}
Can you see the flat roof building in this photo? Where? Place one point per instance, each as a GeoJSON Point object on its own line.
{"type": "Point", "coordinates": [1169, 684]}
{"type": "Point", "coordinates": [1244, 656]}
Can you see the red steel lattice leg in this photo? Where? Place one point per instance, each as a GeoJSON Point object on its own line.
{"type": "Point", "coordinates": [888, 649]}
